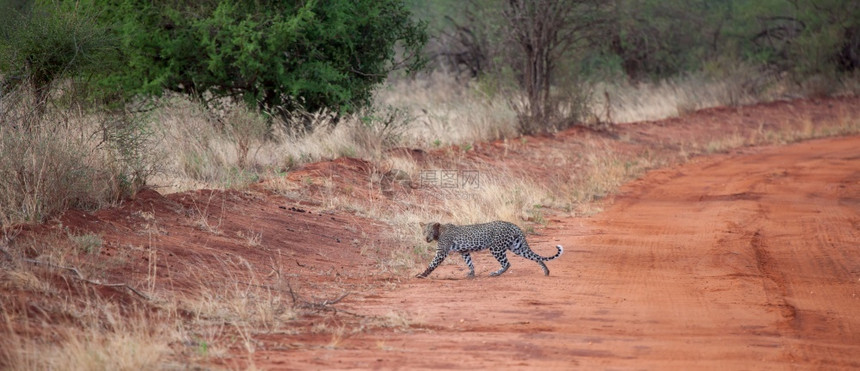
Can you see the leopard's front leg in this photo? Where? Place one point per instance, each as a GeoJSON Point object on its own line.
{"type": "Point", "coordinates": [468, 259]}
{"type": "Point", "coordinates": [441, 254]}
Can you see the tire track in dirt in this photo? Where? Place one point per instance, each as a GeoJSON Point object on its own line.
{"type": "Point", "coordinates": [772, 280]}
{"type": "Point", "coordinates": [790, 217]}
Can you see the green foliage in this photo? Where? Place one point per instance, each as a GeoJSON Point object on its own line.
{"type": "Point", "coordinates": [129, 140]}
{"type": "Point", "coordinates": [662, 38]}
{"type": "Point", "coordinates": [802, 37]}
{"type": "Point", "coordinates": [652, 39]}
{"type": "Point", "coordinates": [89, 243]}
{"type": "Point", "coordinates": [44, 43]}
{"type": "Point", "coordinates": [275, 54]}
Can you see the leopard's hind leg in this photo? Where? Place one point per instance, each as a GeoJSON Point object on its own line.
{"type": "Point", "coordinates": [521, 248]}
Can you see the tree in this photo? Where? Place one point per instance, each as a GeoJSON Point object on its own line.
{"type": "Point", "coordinates": [273, 54]}
{"type": "Point", "coordinates": [660, 38]}
{"type": "Point", "coordinates": [44, 43]}
{"type": "Point", "coordinates": [545, 32]}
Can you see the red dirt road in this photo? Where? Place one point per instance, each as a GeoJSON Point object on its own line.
{"type": "Point", "coordinates": [742, 261]}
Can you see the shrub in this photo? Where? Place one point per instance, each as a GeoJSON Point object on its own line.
{"type": "Point", "coordinates": [42, 45]}
{"type": "Point", "coordinates": [277, 55]}
{"type": "Point", "coordinates": [63, 159]}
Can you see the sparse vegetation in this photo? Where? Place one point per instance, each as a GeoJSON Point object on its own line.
{"type": "Point", "coordinates": [87, 243]}
{"type": "Point", "coordinates": [57, 160]}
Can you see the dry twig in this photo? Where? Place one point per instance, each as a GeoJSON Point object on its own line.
{"type": "Point", "coordinates": [80, 277]}
{"type": "Point", "coordinates": [319, 306]}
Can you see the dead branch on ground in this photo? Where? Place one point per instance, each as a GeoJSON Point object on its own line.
{"type": "Point", "coordinates": [80, 277]}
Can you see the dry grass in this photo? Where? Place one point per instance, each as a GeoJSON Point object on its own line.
{"type": "Point", "coordinates": [203, 149]}
{"type": "Point", "coordinates": [230, 150]}
{"type": "Point", "coordinates": [82, 333]}
{"type": "Point", "coordinates": [245, 299]}
{"type": "Point", "coordinates": [120, 342]}
{"type": "Point", "coordinates": [200, 148]}
{"type": "Point", "coordinates": [605, 171]}
{"type": "Point", "coordinates": [127, 342]}
{"type": "Point", "coordinates": [196, 151]}
{"type": "Point", "coordinates": [680, 95]}
{"type": "Point", "coordinates": [216, 315]}
{"type": "Point", "coordinates": [805, 128]}
{"type": "Point", "coordinates": [447, 112]}
{"type": "Point", "coordinates": [51, 321]}
{"type": "Point", "coordinates": [736, 85]}
{"type": "Point", "coordinates": [365, 135]}
{"type": "Point", "coordinates": [51, 163]}
{"type": "Point", "coordinates": [809, 128]}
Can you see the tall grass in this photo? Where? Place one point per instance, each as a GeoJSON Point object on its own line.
{"type": "Point", "coordinates": [67, 158]}
{"type": "Point", "coordinates": [450, 112]}
{"type": "Point", "coordinates": [202, 148]}
{"type": "Point", "coordinates": [197, 147]}
{"type": "Point", "coordinates": [205, 149]}
{"type": "Point", "coordinates": [197, 151]}
{"type": "Point", "coordinates": [126, 343]}
{"type": "Point", "coordinates": [623, 102]}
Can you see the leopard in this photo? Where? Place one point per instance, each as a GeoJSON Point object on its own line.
{"type": "Point", "coordinates": [497, 236]}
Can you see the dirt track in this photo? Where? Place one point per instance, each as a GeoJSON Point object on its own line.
{"type": "Point", "coordinates": [743, 261]}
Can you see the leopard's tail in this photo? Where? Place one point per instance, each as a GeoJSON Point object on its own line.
{"type": "Point", "coordinates": [529, 254]}
{"type": "Point", "coordinates": [560, 251]}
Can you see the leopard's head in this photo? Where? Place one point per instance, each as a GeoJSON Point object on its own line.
{"type": "Point", "coordinates": [431, 231]}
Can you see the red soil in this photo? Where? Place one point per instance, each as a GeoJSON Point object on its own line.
{"type": "Point", "coordinates": [749, 259]}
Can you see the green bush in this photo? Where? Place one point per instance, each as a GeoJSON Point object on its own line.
{"type": "Point", "coordinates": [276, 55]}
{"type": "Point", "coordinates": [42, 44]}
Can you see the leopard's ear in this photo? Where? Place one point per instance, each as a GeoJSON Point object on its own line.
{"type": "Point", "coordinates": [422, 224]}
{"type": "Point", "coordinates": [436, 230]}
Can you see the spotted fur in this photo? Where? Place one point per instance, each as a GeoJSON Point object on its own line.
{"type": "Point", "coordinates": [498, 237]}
